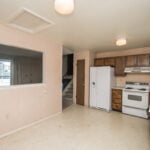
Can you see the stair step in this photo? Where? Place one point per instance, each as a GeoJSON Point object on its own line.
{"type": "Point", "coordinates": [68, 99]}
{"type": "Point", "coordinates": [69, 92]}
{"type": "Point", "coordinates": [70, 96]}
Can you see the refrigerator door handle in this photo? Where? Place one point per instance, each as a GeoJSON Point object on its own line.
{"type": "Point", "coordinates": [93, 84]}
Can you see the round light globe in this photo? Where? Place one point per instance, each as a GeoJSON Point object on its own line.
{"type": "Point", "coordinates": [121, 42]}
{"type": "Point", "coordinates": [64, 7]}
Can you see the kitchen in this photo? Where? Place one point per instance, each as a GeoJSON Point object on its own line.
{"type": "Point", "coordinates": [130, 91]}
{"type": "Point", "coordinates": [110, 43]}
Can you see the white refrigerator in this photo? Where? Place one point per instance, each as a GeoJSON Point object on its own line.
{"type": "Point", "coordinates": [101, 82]}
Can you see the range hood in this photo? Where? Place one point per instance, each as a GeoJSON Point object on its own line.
{"type": "Point", "coordinates": [137, 70]}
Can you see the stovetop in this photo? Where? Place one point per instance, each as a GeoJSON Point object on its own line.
{"type": "Point", "coordinates": [137, 86]}
{"type": "Point", "coordinates": [142, 89]}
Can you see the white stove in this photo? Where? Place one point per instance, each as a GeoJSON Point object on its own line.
{"type": "Point", "coordinates": [136, 99]}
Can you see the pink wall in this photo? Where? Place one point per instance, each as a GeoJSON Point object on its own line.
{"type": "Point", "coordinates": [133, 78]}
{"type": "Point", "coordinates": [130, 77]}
{"type": "Point", "coordinates": [144, 50]}
{"type": "Point", "coordinates": [24, 104]}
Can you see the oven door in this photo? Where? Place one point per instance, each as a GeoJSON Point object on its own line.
{"type": "Point", "coordinates": [135, 99]}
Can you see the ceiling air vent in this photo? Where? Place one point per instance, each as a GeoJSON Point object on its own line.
{"type": "Point", "coordinates": [28, 21]}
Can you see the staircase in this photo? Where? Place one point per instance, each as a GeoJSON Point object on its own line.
{"type": "Point", "coordinates": [68, 95]}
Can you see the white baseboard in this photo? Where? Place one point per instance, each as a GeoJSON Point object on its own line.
{"type": "Point", "coordinates": [27, 126]}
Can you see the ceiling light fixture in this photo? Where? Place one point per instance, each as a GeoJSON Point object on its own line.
{"type": "Point", "coordinates": [121, 42]}
{"type": "Point", "coordinates": [64, 7]}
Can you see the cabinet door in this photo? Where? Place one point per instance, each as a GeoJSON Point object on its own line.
{"type": "Point", "coordinates": [120, 66]}
{"type": "Point", "coordinates": [117, 99]}
{"type": "Point", "coordinates": [131, 61]}
{"type": "Point", "coordinates": [99, 62]}
{"type": "Point", "coordinates": [143, 60]}
{"type": "Point", "coordinates": [110, 62]}
{"type": "Point", "coordinates": [116, 106]}
{"type": "Point", "coordinates": [116, 94]}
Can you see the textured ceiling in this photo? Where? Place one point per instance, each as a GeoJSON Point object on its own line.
{"type": "Point", "coordinates": [94, 25]}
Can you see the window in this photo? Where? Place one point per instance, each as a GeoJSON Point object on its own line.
{"type": "Point", "coordinates": [5, 72]}
{"type": "Point", "coordinates": [135, 97]}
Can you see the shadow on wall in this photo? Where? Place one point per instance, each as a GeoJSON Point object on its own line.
{"type": "Point", "coordinates": [67, 65]}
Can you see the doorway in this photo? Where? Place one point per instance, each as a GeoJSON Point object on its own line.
{"type": "Point", "coordinates": [67, 81]}
{"type": "Point", "coordinates": [80, 82]}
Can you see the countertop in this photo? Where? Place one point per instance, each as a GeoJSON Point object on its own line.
{"type": "Point", "coordinates": [118, 87]}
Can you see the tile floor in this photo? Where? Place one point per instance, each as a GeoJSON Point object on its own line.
{"type": "Point", "coordinates": [81, 128]}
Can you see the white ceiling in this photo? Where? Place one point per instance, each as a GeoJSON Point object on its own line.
{"type": "Point", "coordinates": [95, 24]}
